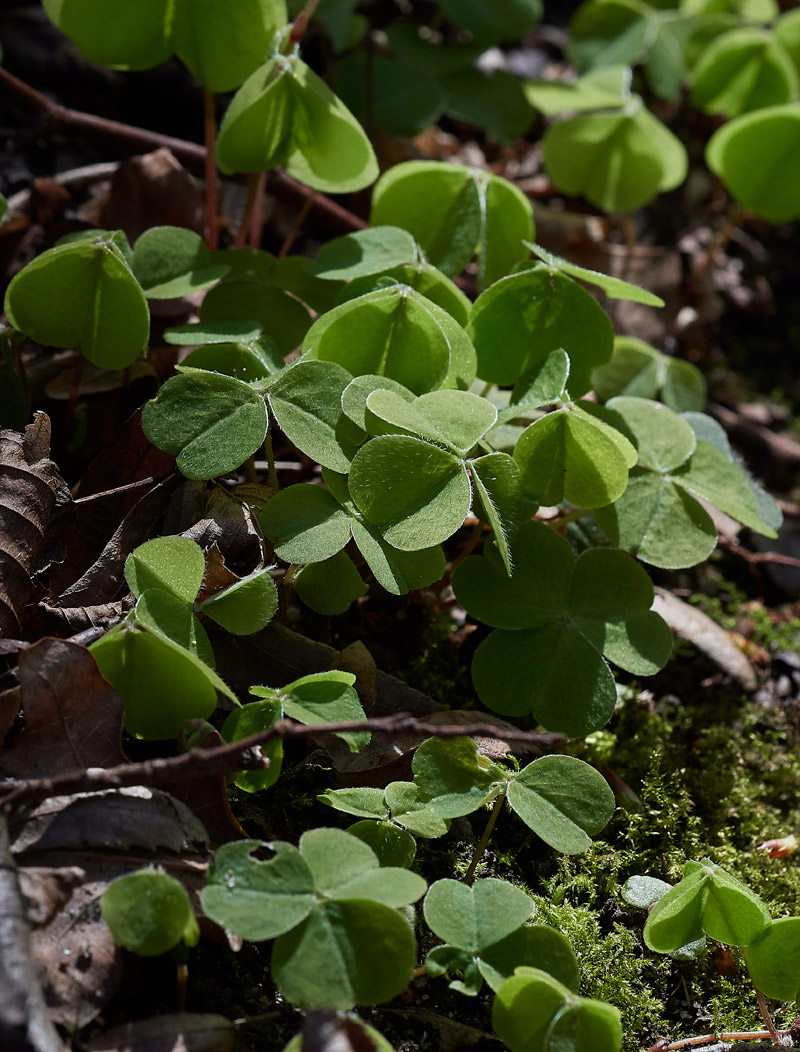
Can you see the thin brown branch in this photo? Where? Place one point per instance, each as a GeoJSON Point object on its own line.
{"type": "Point", "coordinates": [210, 169]}
{"type": "Point", "coordinates": [244, 755]}
{"type": "Point", "coordinates": [757, 558]}
{"type": "Point", "coordinates": [710, 1039]}
{"type": "Point", "coordinates": [127, 140]}
{"type": "Point", "coordinates": [24, 1023]}
{"type": "Point", "coordinates": [151, 481]}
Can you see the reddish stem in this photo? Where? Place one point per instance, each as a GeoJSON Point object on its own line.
{"type": "Point", "coordinates": [210, 130]}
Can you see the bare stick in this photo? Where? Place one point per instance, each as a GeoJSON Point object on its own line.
{"type": "Point", "coordinates": [210, 131]}
{"type": "Point", "coordinates": [128, 139]}
{"type": "Point", "coordinates": [243, 755]}
{"type": "Point", "coordinates": [151, 481]}
{"type": "Point", "coordinates": [24, 1023]}
{"type": "Point", "coordinates": [707, 1039]}
{"type": "Point", "coordinates": [756, 558]}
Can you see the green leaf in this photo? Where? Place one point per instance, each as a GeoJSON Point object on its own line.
{"type": "Point", "coordinates": [362, 801]}
{"type": "Point", "coordinates": [588, 1026]}
{"type": "Point", "coordinates": [501, 500]}
{"type": "Point", "coordinates": [772, 959]}
{"type": "Point", "coordinates": [449, 229]}
{"type": "Point", "coordinates": [212, 423]}
{"type": "Point", "coordinates": [393, 846]}
{"type": "Point", "coordinates": [553, 97]}
{"type": "Point", "coordinates": [618, 161]}
{"type": "Point", "coordinates": [636, 369]}
{"type": "Point", "coordinates": [345, 953]}
{"type": "Point", "coordinates": [170, 261]}
{"type": "Point", "coordinates": [161, 683]}
{"type": "Point", "coordinates": [365, 252]}
{"type": "Point", "coordinates": [563, 800]}
{"type": "Point", "coordinates": [608, 33]}
{"type": "Point", "coordinates": [115, 32]}
{"type": "Point", "coordinates": [568, 455]}
{"type": "Point", "coordinates": [424, 279]}
{"type": "Point", "coordinates": [664, 441]}
{"type": "Point", "coordinates": [258, 900]}
{"type": "Point", "coordinates": [492, 99]}
{"type": "Point", "coordinates": [467, 211]}
{"type": "Point", "coordinates": [709, 474]}
{"type": "Point", "coordinates": [533, 945]}
{"type": "Point", "coordinates": [282, 317]}
{"type": "Point", "coordinates": [507, 20]}
{"type": "Point", "coordinates": [397, 333]}
{"type": "Point", "coordinates": [524, 1007]}
{"type": "Point", "coordinates": [659, 522]}
{"type": "Point", "coordinates": [397, 571]}
{"type": "Point", "coordinates": [247, 362]}
{"type": "Point", "coordinates": [284, 114]}
{"type": "Point", "coordinates": [221, 44]}
{"type": "Point", "coordinates": [615, 288]}
{"type": "Point", "coordinates": [231, 332]}
{"type": "Point", "coordinates": [173, 618]}
{"type": "Point", "coordinates": [323, 697]}
{"type": "Point", "coordinates": [417, 494]}
{"type": "Point", "coordinates": [251, 719]}
{"type": "Point", "coordinates": [453, 778]}
{"type": "Point", "coordinates": [305, 523]}
{"type": "Point", "coordinates": [457, 420]}
{"type": "Point", "coordinates": [409, 808]}
{"type": "Point", "coordinates": [542, 385]}
{"type": "Point", "coordinates": [149, 912]}
{"type": "Point", "coordinates": [787, 33]}
{"type": "Point", "coordinates": [743, 70]}
{"type": "Point", "coordinates": [246, 606]}
{"type": "Point", "coordinates": [331, 586]}
{"type": "Point", "coordinates": [707, 900]}
{"type": "Point", "coordinates": [93, 302]}
{"type": "Point", "coordinates": [770, 188]}
{"type": "Point", "coordinates": [644, 892]}
{"type": "Point", "coordinates": [345, 868]}
{"type": "Point", "coordinates": [475, 917]}
{"type": "Point", "coordinates": [521, 319]}
{"type": "Point", "coordinates": [556, 618]}
{"type": "Point", "coordinates": [306, 401]}
{"type": "Point", "coordinates": [176, 564]}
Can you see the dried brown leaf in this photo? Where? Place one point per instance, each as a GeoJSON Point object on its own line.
{"type": "Point", "coordinates": [73, 717]}
{"type": "Point", "coordinates": [179, 1032]}
{"type": "Point", "coordinates": [30, 487]}
{"type": "Point", "coordinates": [152, 190]}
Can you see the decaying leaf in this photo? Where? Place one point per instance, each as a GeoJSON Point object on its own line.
{"type": "Point", "coordinates": [73, 717]}
{"type": "Point", "coordinates": [693, 625]}
{"type": "Point", "coordinates": [30, 487]}
{"type": "Point", "coordinates": [178, 1032]}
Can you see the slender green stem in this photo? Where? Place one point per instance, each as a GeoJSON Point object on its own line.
{"type": "Point", "coordinates": [486, 389]}
{"type": "Point", "coordinates": [274, 485]}
{"type": "Point", "coordinates": [568, 517]}
{"type": "Point", "coordinates": [210, 129]}
{"type": "Point", "coordinates": [498, 805]}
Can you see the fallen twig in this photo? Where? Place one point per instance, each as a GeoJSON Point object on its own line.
{"type": "Point", "coordinates": [757, 558]}
{"type": "Point", "coordinates": [24, 1023]}
{"type": "Point", "coordinates": [128, 139]}
{"type": "Point", "coordinates": [243, 755]}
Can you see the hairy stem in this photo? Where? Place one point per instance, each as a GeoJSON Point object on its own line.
{"type": "Point", "coordinates": [253, 184]}
{"type": "Point", "coordinates": [274, 485]}
{"type": "Point", "coordinates": [469, 876]}
{"type": "Point", "coordinates": [764, 1010]}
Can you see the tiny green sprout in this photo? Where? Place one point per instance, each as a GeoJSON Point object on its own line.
{"type": "Point", "coordinates": [534, 1012]}
{"type": "Point", "coordinates": [562, 799]}
{"type": "Point", "coordinates": [159, 659]}
{"type": "Point", "coordinates": [149, 912]}
{"type": "Point", "coordinates": [486, 937]}
{"type": "Point", "coordinates": [333, 911]}
{"type": "Point", "coordinates": [707, 901]}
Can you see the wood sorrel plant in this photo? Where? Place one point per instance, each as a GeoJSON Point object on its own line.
{"type": "Point", "coordinates": [421, 410]}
